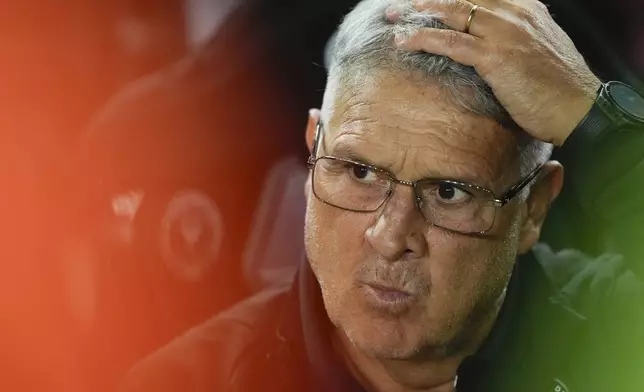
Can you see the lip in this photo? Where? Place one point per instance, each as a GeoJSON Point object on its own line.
{"type": "Point", "coordinates": [388, 289]}
{"type": "Point", "coordinates": [387, 299]}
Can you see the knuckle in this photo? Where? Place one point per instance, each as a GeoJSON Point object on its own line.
{"type": "Point", "coordinates": [541, 8]}
{"type": "Point", "coordinates": [452, 38]}
{"type": "Point", "coordinates": [514, 9]}
{"type": "Point", "coordinates": [521, 11]}
{"type": "Point", "coordinates": [524, 13]}
{"type": "Point", "coordinates": [520, 19]}
{"type": "Point", "coordinates": [459, 7]}
{"type": "Point", "coordinates": [533, 12]}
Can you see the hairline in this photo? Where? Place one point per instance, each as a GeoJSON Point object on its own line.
{"type": "Point", "coordinates": [364, 43]}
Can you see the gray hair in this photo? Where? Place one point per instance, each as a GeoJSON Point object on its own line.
{"type": "Point", "coordinates": [365, 41]}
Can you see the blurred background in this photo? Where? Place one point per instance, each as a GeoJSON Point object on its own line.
{"type": "Point", "coordinates": [153, 162]}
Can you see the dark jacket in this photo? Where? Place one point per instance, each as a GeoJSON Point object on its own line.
{"type": "Point", "coordinates": [570, 322]}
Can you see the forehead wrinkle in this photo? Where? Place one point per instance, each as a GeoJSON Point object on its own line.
{"type": "Point", "coordinates": [412, 145]}
{"type": "Point", "coordinates": [442, 146]}
{"type": "Point", "coordinates": [398, 114]}
{"type": "Point", "coordinates": [354, 149]}
{"type": "Point", "coordinates": [351, 105]}
{"type": "Point", "coordinates": [485, 143]}
{"type": "Point", "coordinates": [468, 165]}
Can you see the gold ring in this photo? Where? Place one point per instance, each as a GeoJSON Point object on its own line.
{"type": "Point", "coordinates": [470, 18]}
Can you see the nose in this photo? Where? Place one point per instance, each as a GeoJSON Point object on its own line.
{"type": "Point", "coordinates": [398, 231]}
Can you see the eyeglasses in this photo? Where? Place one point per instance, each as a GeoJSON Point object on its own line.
{"type": "Point", "coordinates": [453, 205]}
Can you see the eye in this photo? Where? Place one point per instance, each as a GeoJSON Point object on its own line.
{"type": "Point", "coordinates": [363, 174]}
{"type": "Point", "coordinates": [449, 193]}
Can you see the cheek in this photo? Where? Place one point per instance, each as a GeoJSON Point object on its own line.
{"type": "Point", "coordinates": [462, 266]}
{"type": "Point", "coordinates": [334, 242]}
{"type": "Point", "coordinates": [454, 262]}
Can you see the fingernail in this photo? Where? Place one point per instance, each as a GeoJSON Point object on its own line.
{"type": "Point", "coordinates": [394, 12]}
{"type": "Point", "coordinates": [418, 5]}
{"type": "Point", "coordinates": [400, 39]}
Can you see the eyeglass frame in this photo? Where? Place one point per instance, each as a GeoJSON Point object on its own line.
{"type": "Point", "coordinates": [497, 201]}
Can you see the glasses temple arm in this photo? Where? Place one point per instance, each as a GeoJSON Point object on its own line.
{"type": "Point", "coordinates": [519, 187]}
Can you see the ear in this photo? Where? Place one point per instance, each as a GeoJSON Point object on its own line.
{"type": "Point", "coordinates": [542, 194]}
{"type": "Point", "coordinates": [311, 126]}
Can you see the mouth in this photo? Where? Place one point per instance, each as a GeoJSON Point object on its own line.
{"type": "Point", "coordinates": [388, 290]}
{"type": "Point", "coordinates": [389, 299]}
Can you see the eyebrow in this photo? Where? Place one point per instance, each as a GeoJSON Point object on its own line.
{"type": "Point", "coordinates": [347, 151]}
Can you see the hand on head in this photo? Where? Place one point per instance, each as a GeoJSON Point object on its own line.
{"type": "Point", "coordinates": [529, 62]}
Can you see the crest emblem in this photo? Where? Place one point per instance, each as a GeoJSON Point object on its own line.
{"type": "Point", "coordinates": [191, 234]}
{"type": "Point", "coordinates": [559, 386]}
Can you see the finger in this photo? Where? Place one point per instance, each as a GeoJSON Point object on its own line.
{"type": "Point", "coordinates": [455, 14]}
{"type": "Point", "coordinates": [460, 47]}
{"type": "Point", "coordinates": [492, 5]}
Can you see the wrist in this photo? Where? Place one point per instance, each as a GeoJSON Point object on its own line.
{"type": "Point", "coordinates": [609, 136]}
{"type": "Point", "coordinates": [617, 106]}
{"type": "Point", "coordinates": [577, 112]}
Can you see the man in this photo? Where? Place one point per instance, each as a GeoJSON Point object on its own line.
{"type": "Point", "coordinates": [429, 185]}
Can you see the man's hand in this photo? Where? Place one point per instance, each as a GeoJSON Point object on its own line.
{"type": "Point", "coordinates": [529, 62]}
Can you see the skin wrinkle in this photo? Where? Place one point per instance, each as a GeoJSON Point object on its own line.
{"type": "Point", "coordinates": [415, 131]}
{"type": "Point", "coordinates": [354, 113]}
{"type": "Point", "coordinates": [423, 115]}
{"type": "Point", "coordinates": [365, 42]}
{"type": "Point", "coordinates": [353, 103]}
{"type": "Point", "coordinates": [416, 144]}
{"type": "Point", "coordinates": [419, 132]}
{"type": "Point", "coordinates": [351, 150]}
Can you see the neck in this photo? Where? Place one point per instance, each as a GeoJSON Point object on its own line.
{"type": "Point", "coordinates": [433, 370]}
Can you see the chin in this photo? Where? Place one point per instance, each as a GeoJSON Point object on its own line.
{"type": "Point", "coordinates": [400, 348]}
{"type": "Point", "coordinates": [384, 339]}
{"type": "Point", "coordinates": [398, 339]}
{"type": "Point", "coordinates": [386, 349]}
